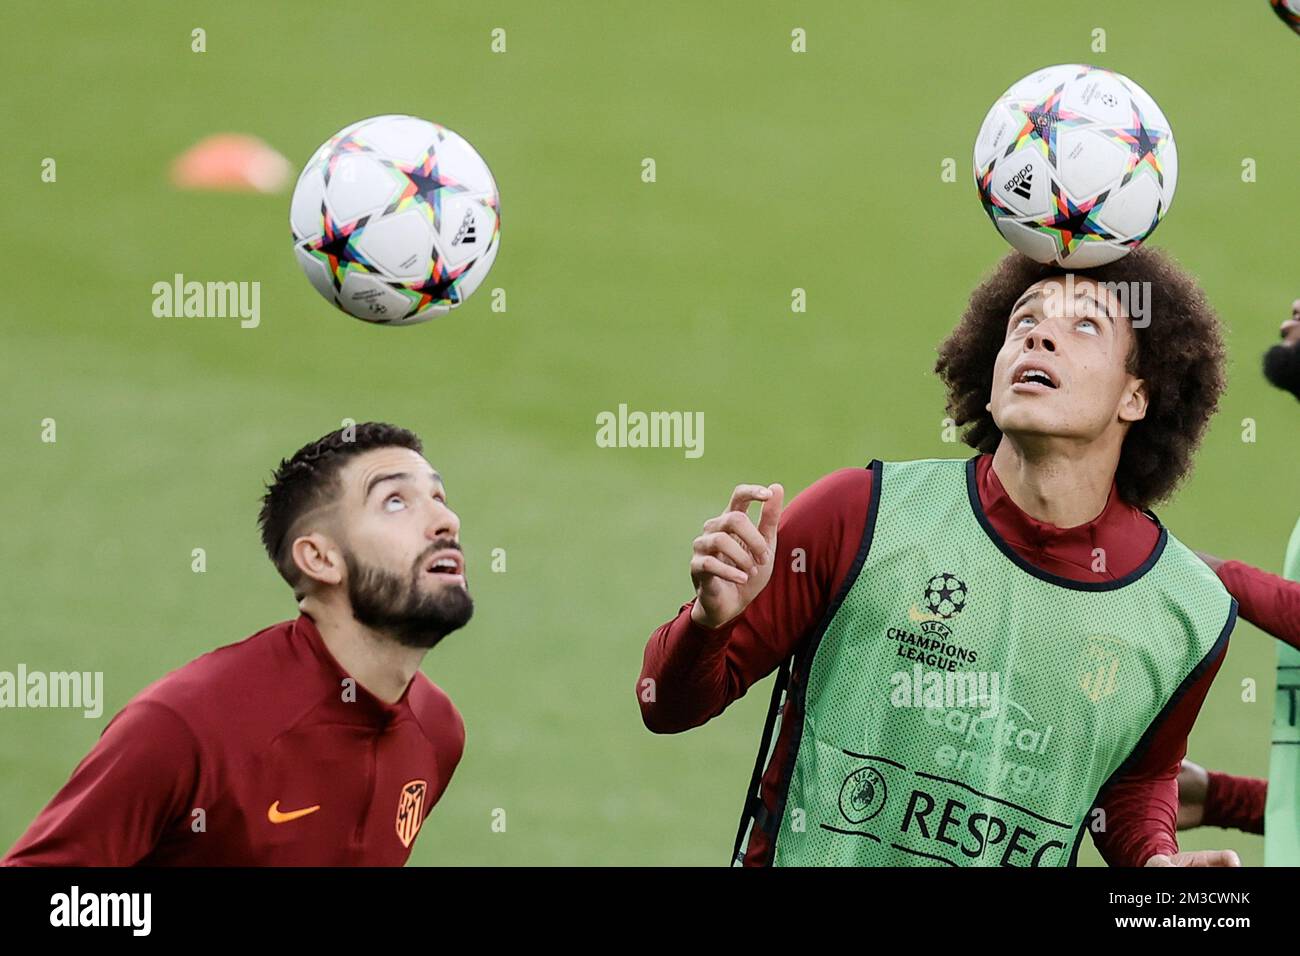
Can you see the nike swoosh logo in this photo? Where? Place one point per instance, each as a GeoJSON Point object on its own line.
{"type": "Point", "coordinates": [275, 816]}
{"type": "Point", "coordinates": [917, 616]}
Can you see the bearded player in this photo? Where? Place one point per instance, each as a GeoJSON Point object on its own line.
{"type": "Point", "coordinates": [315, 742]}
{"type": "Point", "coordinates": [1270, 807]}
{"type": "Point", "coordinates": [1034, 563]}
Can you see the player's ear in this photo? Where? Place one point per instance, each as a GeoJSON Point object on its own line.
{"type": "Point", "coordinates": [1133, 406]}
{"type": "Point", "coordinates": [317, 558]}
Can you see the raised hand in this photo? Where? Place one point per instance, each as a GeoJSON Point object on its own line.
{"type": "Point", "coordinates": [732, 559]}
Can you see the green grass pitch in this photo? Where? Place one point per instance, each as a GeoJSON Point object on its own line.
{"type": "Point", "coordinates": [774, 171]}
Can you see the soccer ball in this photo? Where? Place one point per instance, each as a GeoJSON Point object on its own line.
{"type": "Point", "coordinates": [1289, 11]}
{"type": "Point", "coordinates": [395, 220]}
{"type": "Point", "coordinates": [945, 595]}
{"type": "Point", "coordinates": [1075, 165]}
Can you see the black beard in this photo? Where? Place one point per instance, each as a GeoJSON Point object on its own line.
{"type": "Point", "coordinates": [1282, 367]}
{"type": "Point", "coordinates": [382, 601]}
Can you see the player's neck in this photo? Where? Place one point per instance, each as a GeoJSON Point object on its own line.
{"type": "Point", "coordinates": [378, 663]}
{"type": "Point", "coordinates": [1056, 482]}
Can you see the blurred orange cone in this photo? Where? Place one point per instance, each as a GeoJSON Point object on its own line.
{"type": "Point", "coordinates": [232, 162]}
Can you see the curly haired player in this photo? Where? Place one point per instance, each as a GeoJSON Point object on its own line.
{"type": "Point", "coordinates": [315, 742]}
{"type": "Point", "coordinates": [1088, 634]}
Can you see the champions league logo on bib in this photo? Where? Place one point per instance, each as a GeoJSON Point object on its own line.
{"type": "Point", "coordinates": [945, 595]}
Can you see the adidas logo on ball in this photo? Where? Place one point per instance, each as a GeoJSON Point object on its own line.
{"type": "Point", "coordinates": [466, 231]}
{"type": "Point", "coordinates": [1021, 182]}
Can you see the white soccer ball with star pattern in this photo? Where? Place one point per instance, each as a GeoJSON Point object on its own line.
{"type": "Point", "coordinates": [1076, 165]}
{"type": "Point", "coordinates": [395, 220]}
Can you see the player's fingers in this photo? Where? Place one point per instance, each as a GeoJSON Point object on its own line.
{"type": "Point", "coordinates": [706, 565]}
{"type": "Point", "coordinates": [738, 525]}
{"type": "Point", "coordinates": [744, 494]}
{"type": "Point", "coordinates": [1214, 858]}
{"type": "Point", "coordinates": [771, 515]}
{"type": "Point", "coordinates": [724, 546]}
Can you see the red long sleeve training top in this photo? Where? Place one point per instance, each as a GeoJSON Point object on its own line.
{"type": "Point", "coordinates": [1272, 604]}
{"type": "Point", "coordinates": [262, 753]}
{"type": "Point", "coordinates": [698, 672]}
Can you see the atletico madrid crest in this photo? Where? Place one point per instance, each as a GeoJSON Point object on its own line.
{"type": "Point", "coordinates": [410, 810]}
{"type": "Point", "coordinates": [1099, 667]}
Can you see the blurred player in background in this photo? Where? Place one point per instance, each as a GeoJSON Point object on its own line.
{"type": "Point", "coordinates": [1271, 603]}
{"type": "Point", "coordinates": [316, 741]}
{"type": "Point", "coordinates": [1034, 561]}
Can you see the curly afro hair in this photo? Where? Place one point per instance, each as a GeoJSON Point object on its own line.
{"type": "Point", "coordinates": [310, 478]}
{"type": "Point", "coordinates": [1180, 356]}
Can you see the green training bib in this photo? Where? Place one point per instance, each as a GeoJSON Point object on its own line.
{"type": "Point", "coordinates": [1282, 811]}
{"type": "Point", "coordinates": [963, 708]}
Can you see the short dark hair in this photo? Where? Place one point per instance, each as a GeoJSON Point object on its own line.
{"type": "Point", "coordinates": [310, 478]}
{"type": "Point", "coordinates": [1179, 355]}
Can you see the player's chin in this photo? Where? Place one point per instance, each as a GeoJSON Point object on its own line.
{"type": "Point", "coordinates": [1023, 405]}
{"type": "Point", "coordinates": [441, 581]}
{"type": "Point", "coordinates": [1030, 416]}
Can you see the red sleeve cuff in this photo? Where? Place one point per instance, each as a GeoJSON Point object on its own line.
{"type": "Point", "coordinates": [1235, 803]}
{"type": "Point", "coordinates": [677, 688]}
{"type": "Point", "coordinates": [684, 627]}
